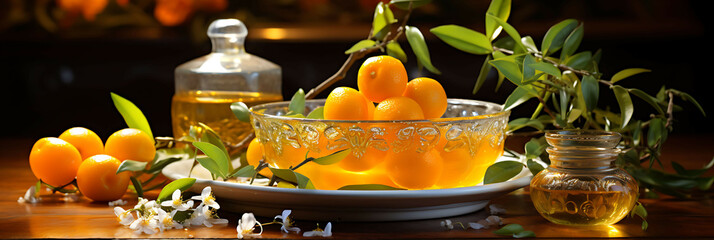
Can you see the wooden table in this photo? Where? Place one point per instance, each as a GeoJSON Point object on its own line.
{"type": "Point", "coordinates": [668, 217]}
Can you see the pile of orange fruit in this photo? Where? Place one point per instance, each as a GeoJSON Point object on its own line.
{"type": "Point", "coordinates": [78, 153]}
{"type": "Point", "coordinates": [384, 95]}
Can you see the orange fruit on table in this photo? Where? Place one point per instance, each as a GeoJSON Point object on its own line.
{"type": "Point", "coordinates": [346, 103]}
{"type": "Point", "coordinates": [429, 94]}
{"type": "Point", "coordinates": [130, 144]}
{"type": "Point", "coordinates": [97, 178]}
{"type": "Point", "coordinates": [86, 141]}
{"type": "Point", "coordinates": [398, 108]}
{"type": "Point", "coordinates": [254, 154]}
{"type": "Point", "coordinates": [413, 170]}
{"type": "Point", "coordinates": [382, 77]}
{"type": "Point", "coordinates": [54, 161]}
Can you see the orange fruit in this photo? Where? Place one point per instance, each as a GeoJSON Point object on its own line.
{"type": "Point", "coordinates": [130, 144]}
{"type": "Point", "coordinates": [429, 94]}
{"type": "Point", "coordinates": [54, 161]}
{"type": "Point", "coordinates": [346, 103]}
{"type": "Point", "coordinates": [254, 154]}
{"type": "Point", "coordinates": [86, 141]}
{"type": "Point", "coordinates": [97, 178]}
{"type": "Point", "coordinates": [367, 161]}
{"type": "Point", "coordinates": [458, 163]}
{"type": "Point", "coordinates": [398, 108]}
{"type": "Point", "coordinates": [413, 170]}
{"type": "Point", "coordinates": [382, 77]}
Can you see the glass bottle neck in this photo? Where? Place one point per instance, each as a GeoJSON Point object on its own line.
{"type": "Point", "coordinates": [228, 45]}
{"type": "Point", "coordinates": [598, 159]}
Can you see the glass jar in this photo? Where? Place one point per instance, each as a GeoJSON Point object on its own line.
{"type": "Point", "coordinates": [582, 186]}
{"type": "Point", "coordinates": [206, 86]}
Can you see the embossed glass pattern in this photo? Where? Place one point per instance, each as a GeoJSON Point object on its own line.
{"type": "Point", "coordinates": [452, 151]}
{"type": "Point", "coordinates": [582, 186]}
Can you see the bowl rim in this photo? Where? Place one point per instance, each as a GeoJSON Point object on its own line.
{"type": "Point", "coordinates": [499, 113]}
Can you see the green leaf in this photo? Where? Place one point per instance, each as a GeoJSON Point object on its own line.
{"type": "Point", "coordinates": [464, 39]}
{"type": "Point", "coordinates": [303, 182]}
{"type": "Point", "coordinates": [627, 73]}
{"type": "Point", "coordinates": [657, 132]}
{"type": "Point", "coordinates": [500, 9]}
{"type": "Point", "coordinates": [159, 165]}
{"type": "Point", "coordinates": [546, 68]}
{"type": "Point", "coordinates": [639, 210]}
{"type": "Point", "coordinates": [529, 44]}
{"type": "Point", "coordinates": [240, 110]}
{"type": "Point", "coordinates": [369, 187]}
{"type": "Point", "coordinates": [556, 35]}
{"type": "Point", "coordinates": [181, 184]}
{"type": "Point", "coordinates": [510, 229]}
{"type": "Point", "coordinates": [333, 158]}
{"type": "Point", "coordinates": [131, 165]}
{"type": "Point", "coordinates": [534, 167]}
{"type": "Point", "coordinates": [524, 234]}
{"type": "Point", "coordinates": [132, 115]}
{"type": "Point", "coordinates": [217, 153]}
{"type": "Point", "coordinates": [210, 165]}
{"type": "Point", "coordinates": [525, 122]}
{"type": "Point", "coordinates": [404, 4]}
{"type": "Point", "coordinates": [591, 92]}
{"type": "Point", "coordinates": [416, 41]}
{"type": "Point", "coordinates": [647, 98]}
{"type": "Point", "coordinates": [483, 73]}
{"type": "Point", "coordinates": [210, 136]}
{"type": "Point", "coordinates": [625, 103]}
{"type": "Point", "coordinates": [285, 174]}
{"type": "Point", "coordinates": [517, 97]}
{"type": "Point", "coordinates": [509, 69]}
{"type": "Point", "coordinates": [689, 98]}
{"type": "Point", "coordinates": [564, 100]}
{"type": "Point", "coordinates": [574, 114]}
{"type": "Point", "coordinates": [383, 17]}
{"type": "Point", "coordinates": [360, 45]}
{"type": "Point", "coordinates": [534, 148]}
{"type": "Point", "coordinates": [572, 42]}
{"type": "Point", "coordinates": [528, 71]}
{"type": "Point", "coordinates": [579, 60]}
{"type": "Point", "coordinates": [137, 186]}
{"type": "Point", "coordinates": [396, 51]}
{"type": "Point", "coordinates": [502, 171]}
{"type": "Point", "coordinates": [509, 29]}
{"type": "Point", "coordinates": [245, 171]}
{"type": "Point", "coordinates": [297, 103]}
{"type": "Point", "coordinates": [283, 184]}
{"type": "Point", "coordinates": [317, 113]}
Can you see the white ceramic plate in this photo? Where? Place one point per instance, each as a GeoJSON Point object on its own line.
{"type": "Point", "coordinates": [348, 205]}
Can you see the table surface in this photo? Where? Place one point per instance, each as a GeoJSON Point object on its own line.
{"type": "Point", "coordinates": [53, 218]}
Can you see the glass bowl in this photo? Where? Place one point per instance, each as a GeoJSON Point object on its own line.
{"type": "Point", "coordinates": [447, 152]}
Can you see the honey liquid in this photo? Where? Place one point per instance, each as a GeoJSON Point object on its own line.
{"type": "Point", "coordinates": [213, 109]}
{"type": "Point", "coordinates": [582, 208]}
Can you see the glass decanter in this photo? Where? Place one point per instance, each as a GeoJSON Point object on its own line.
{"type": "Point", "coordinates": [206, 86]}
{"type": "Point", "coordinates": [582, 186]}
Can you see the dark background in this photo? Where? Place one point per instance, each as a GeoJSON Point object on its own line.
{"type": "Point", "coordinates": [54, 80]}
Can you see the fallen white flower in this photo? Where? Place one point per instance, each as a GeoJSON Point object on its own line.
{"type": "Point", "coordinates": [29, 196]}
{"type": "Point", "coordinates": [496, 209]}
{"type": "Point", "coordinates": [118, 202]}
{"type": "Point", "coordinates": [287, 222]}
{"type": "Point", "coordinates": [246, 226]}
{"type": "Point", "coordinates": [476, 225]}
{"type": "Point", "coordinates": [494, 220]}
{"type": "Point", "coordinates": [327, 232]}
{"type": "Point", "coordinates": [146, 225]}
{"type": "Point", "coordinates": [166, 220]}
{"type": "Point", "coordinates": [447, 224]}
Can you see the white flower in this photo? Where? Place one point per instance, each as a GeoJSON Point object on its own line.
{"type": "Point", "coordinates": [447, 224]}
{"type": "Point", "coordinates": [246, 226]}
{"type": "Point", "coordinates": [166, 220]}
{"type": "Point", "coordinates": [476, 225]}
{"type": "Point", "coordinates": [327, 232]}
{"type": "Point", "coordinates": [203, 215]}
{"type": "Point", "coordinates": [287, 222]}
{"type": "Point", "coordinates": [118, 202]}
{"type": "Point", "coordinates": [496, 209]}
{"type": "Point", "coordinates": [146, 225]}
{"type": "Point", "coordinates": [141, 203]}
{"type": "Point", "coordinates": [177, 203]}
{"type": "Point", "coordinates": [124, 217]}
{"type": "Point", "coordinates": [490, 221]}
{"type": "Point", "coordinates": [207, 198]}
{"type": "Point", "coordinates": [29, 196]}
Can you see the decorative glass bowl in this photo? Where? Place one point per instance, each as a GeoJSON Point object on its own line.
{"type": "Point", "coordinates": [452, 151]}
